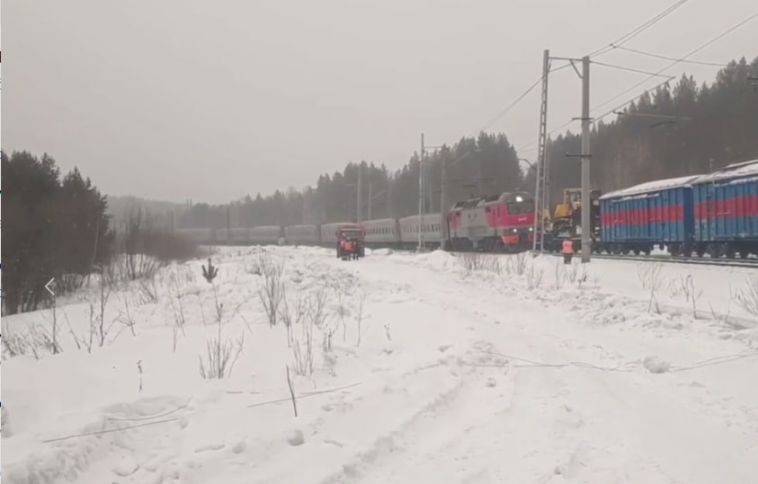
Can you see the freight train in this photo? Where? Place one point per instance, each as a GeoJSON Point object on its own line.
{"type": "Point", "coordinates": [503, 222]}
{"type": "Point", "coordinates": [714, 214]}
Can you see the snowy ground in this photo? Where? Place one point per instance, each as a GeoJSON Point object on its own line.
{"type": "Point", "coordinates": [467, 369]}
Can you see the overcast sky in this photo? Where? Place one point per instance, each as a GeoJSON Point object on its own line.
{"type": "Point", "coordinates": [212, 100]}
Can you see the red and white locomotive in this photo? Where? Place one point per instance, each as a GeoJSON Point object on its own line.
{"type": "Point", "coordinates": [499, 222]}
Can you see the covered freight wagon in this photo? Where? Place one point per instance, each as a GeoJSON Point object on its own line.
{"type": "Point", "coordinates": [654, 213]}
{"type": "Point", "coordinates": [726, 211]}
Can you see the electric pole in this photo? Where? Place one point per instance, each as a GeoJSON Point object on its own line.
{"type": "Point", "coordinates": [480, 179]}
{"type": "Point", "coordinates": [541, 169]}
{"type": "Point", "coordinates": [358, 214]}
{"type": "Point", "coordinates": [370, 199]}
{"type": "Point", "coordinates": [586, 229]}
{"type": "Point", "coordinates": [228, 225]}
{"type": "Point", "coordinates": [389, 198]}
{"type": "Point", "coordinates": [443, 203]}
{"type": "Point", "coordinates": [420, 194]}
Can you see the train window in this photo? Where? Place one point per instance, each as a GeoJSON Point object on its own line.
{"type": "Point", "coordinates": [519, 208]}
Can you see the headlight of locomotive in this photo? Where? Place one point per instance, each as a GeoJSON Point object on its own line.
{"type": "Point", "coordinates": [515, 231]}
{"type": "Point", "coordinates": [531, 229]}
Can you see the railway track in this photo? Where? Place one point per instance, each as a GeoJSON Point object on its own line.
{"type": "Point", "coordinates": [744, 263]}
{"type": "Point", "coordinates": [703, 261]}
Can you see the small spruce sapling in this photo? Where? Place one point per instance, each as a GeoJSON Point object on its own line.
{"type": "Point", "coordinates": [210, 272]}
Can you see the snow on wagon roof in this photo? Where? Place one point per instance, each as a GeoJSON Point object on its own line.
{"type": "Point", "coordinates": [651, 186]}
{"type": "Point", "coordinates": [735, 170]}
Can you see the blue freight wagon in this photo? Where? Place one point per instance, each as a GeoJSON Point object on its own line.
{"type": "Point", "coordinates": [726, 211]}
{"type": "Point", "coordinates": [637, 218]}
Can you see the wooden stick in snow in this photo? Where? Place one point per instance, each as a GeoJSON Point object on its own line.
{"type": "Point", "coordinates": [292, 390]}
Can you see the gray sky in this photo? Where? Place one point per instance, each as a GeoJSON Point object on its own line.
{"type": "Point", "coordinates": [212, 100]}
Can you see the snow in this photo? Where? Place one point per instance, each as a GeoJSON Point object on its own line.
{"type": "Point", "coordinates": [521, 370]}
{"type": "Point", "coordinates": [651, 186]}
{"type": "Point", "coordinates": [736, 170]}
{"type": "Point", "coordinates": [656, 365]}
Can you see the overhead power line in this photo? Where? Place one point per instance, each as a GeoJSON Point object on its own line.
{"type": "Point", "coordinates": [631, 69]}
{"type": "Point", "coordinates": [621, 40]}
{"type": "Point", "coordinates": [617, 44]}
{"type": "Point", "coordinates": [679, 60]}
{"type": "Point", "coordinates": [657, 56]}
{"type": "Point", "coordinates": [512, 104]}
{"type": "Point", "coordinates": [629, 101]}
{"type": "Point", "coordinates": [639, 29]}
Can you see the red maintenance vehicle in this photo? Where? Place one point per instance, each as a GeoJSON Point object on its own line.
{"type": "Point", "coordinates": [498, 223]}
{"type": "Point", "coordinates": [350, 241]}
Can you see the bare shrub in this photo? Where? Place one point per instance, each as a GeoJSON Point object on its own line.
{"type": "Point", "coordinates": [179, 319]}
{"type": "Point", "coordinates": [97, 313]}
{"type": "Point", "coordinates": [651, 279]}
{"type": "Point", "coordinates": [577, 275]}
{"type": "Point", "coordinates": [271, 288]}
{"type": "Point", "coordinates": [74, 336]}
{"type": "Point", "coordinates": [302, 348]}
{"type": "Point", "coordinates": [139, 266]}
{"type": "Point", "coordinates": [533, 277]}
{"type": "Point", "coordinates": [54, 317]}
{"type": "Point", "coordinates": [30, 341]}
{"type": "Point", "coordinates": [148, 289]}
{"type": "Point", "coordinates": [221, 355]}
{"type": "Point", "coordinates": [125, 316]}
{"type": "Point", "coordinates": [492, 264]}
{"type": "Point", "coordinates": [685, 286]}
{"type": "Point", "coordinates": [68, 283]}
{"type": "Point", "coordinates": [314, 316]}
{"type": "Point", "coordinates": [474, 262]}
{"type": "Point", "coordinates": [519, 263]}
{"type": "Point", "coordinates": [359, 318]}
{"type": "Point", "coordinates": [560, 275]}
{"type": "Point", "coordinates": [292, 315]}
{"type": "Point", "coordinates": [471, 261]}
{"type": "Point", "coordinates": [747, 297]}
{"type": "Point", "coordinates": [581, 278]}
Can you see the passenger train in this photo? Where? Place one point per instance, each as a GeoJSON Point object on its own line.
{"type": "Point", "coordinates": [498, 223]}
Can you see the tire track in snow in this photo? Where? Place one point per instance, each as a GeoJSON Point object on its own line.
{"type": "Point", "coordinates": [439, 422]}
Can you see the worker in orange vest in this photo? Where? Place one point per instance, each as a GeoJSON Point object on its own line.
{"type": "Point", "coordinates": [567, 248]}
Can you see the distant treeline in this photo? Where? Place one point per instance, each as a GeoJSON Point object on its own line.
{"type": "Point", "coordinates": [57, 227]}
{"type": "Point", "coordinates": [714, 125]}
{"type": "Point", "coordinates": [487, 164]}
